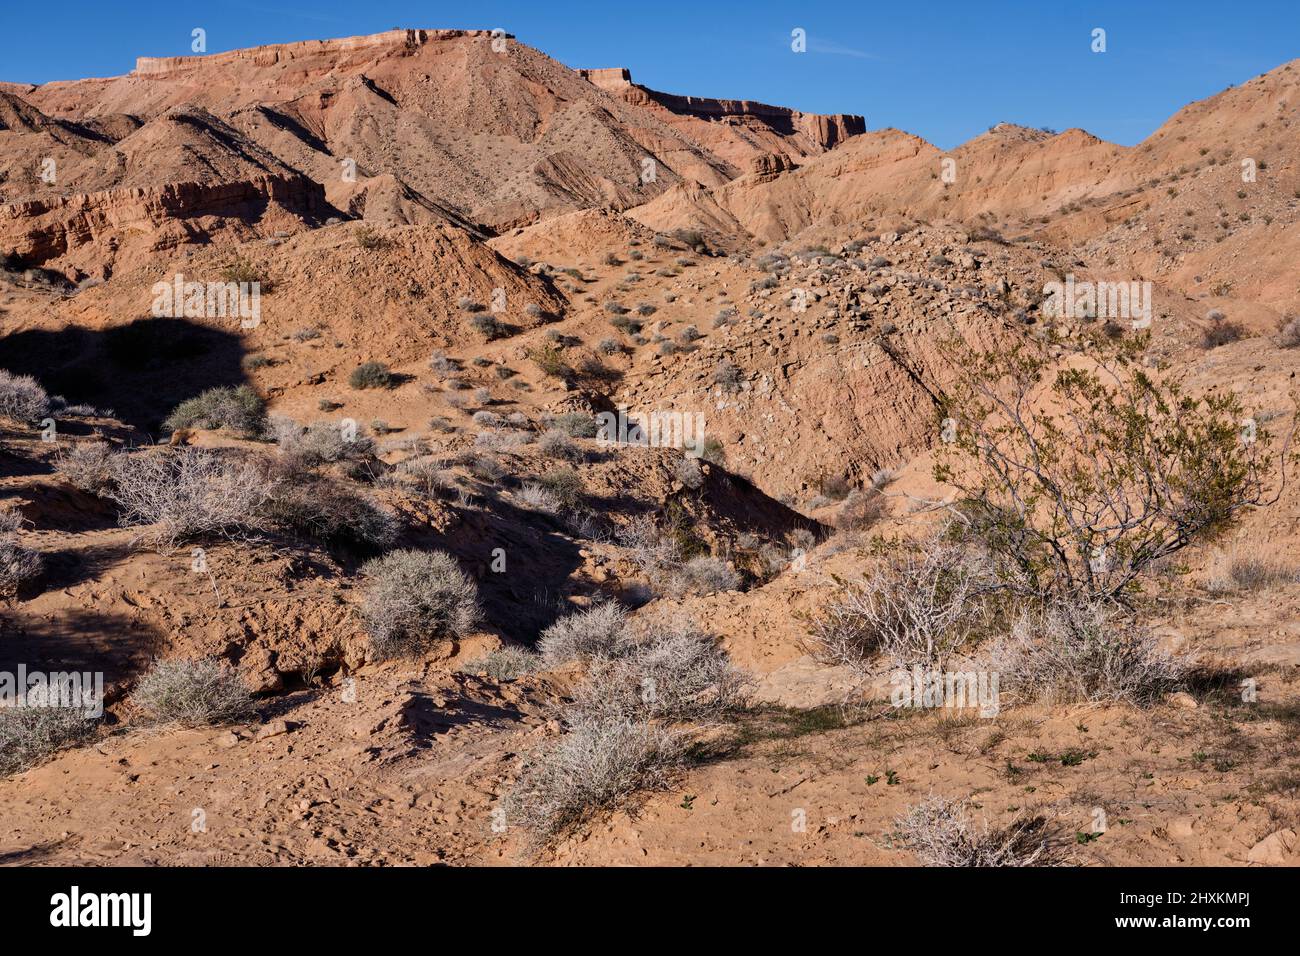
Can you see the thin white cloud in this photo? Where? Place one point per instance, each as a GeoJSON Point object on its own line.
{"type": "Point", "coordinates": [835, 49]}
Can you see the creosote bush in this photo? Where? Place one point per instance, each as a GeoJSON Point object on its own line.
{"type": "Point", "coordinates": [193, 693]}
{"type": "Point", "coordinates": [239, 409]}
{"type": "Point", "coordinates": [1077, 478]}
{"type": "Point", "coordinates": [414, 598]}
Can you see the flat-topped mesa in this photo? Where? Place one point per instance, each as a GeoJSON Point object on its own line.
{"type": "Point", "coordinates": [826, 129]}
{"type": "Point", "coordinates": [281, 52]}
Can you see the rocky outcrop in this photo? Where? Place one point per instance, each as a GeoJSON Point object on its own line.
{"type": "Point", "coordinates": [85, 234]}
{"type": "Point", "coordinates": [822, 131]}
{"type": "Point", "coordinates": [161, 66]}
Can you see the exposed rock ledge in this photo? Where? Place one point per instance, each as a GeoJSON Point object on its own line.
{"type": "Point", "coordinates": [826, 130]}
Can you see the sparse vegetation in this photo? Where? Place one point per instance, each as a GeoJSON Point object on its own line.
{"type": "Point", "coordinates": [21, 398]}
{"type": "Point", "coordinates": [239, 409]}
{"type": "Point", "coordinates": [595, 765]}
{"type": "Point", "coordinates": [551, 362]}
{"type": "Point", "coordinates": [941, 834]}
{"type": "Point", "coordinates": [1247, 572]}
{"type": "Point", "coordinates": [414, 598]}
{"type": "Point", "coordinates": [1085, 651]}
{"type": "Point", "coordinates": [1221, 331]}
{"type": "Point", "coordinates": [916, 609]}
{"type": "Point", "coordinates": [487, 325]}
{"type": "Point", "coordinates": [556, 444]}
{"type": "Point", "coordinates": [319, 443]}
{"type": "Point", "coordinates": [333, 513]}
{"type": "Point", "coordinates": [371, 375]}
{"type": "Point", "coordinates": [88, 466]}
{"type": "Point", "coordinates": [18, 564]}
{"type": "Point", "coordinates": [705, 574]}
{"type": "Point", "coordinates": [32, 734]}
{"type": "Point", "coordinates": [187, 493]}
{"type": "Point", "coordinates": [574, 424]}
{"type": "Point", "coordinates": [728, 376]}
{"type": "Point", "coordinates": [504, 663]}
{"type": "Point", "coordinates": [368, 238]}
{"type": "Point", "coordinates": [598, 632]}
{"type": "Point", "coordinates": [245, 270]}
{"type": "Point", "coordinates": [193, 693]}
{"type": "Point", "coordinates": [670, 673]}
{"type": "Point", "coordinates": [565, 483]}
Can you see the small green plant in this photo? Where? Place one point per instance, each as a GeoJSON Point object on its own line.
{"type": "Point", "coordinates": [368, 238]}
{"type": "Point", "coordinates": [549, 359]}
{"type": "Point", "coordinates": [240, 409]}
{"type": "Point", "coordinates": [371, 375]}
{"type": "Point", "coordinates": [243, 270]}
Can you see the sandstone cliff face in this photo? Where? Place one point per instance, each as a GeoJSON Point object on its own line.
{"type": "Point", "coordinates": [264, 56]}
{"type": "Point", "coordinates": [87, 234]}
{"type": "Point", "coordinates": [808, 133]}
{"type": "Point", "coordinates": [467, 126]}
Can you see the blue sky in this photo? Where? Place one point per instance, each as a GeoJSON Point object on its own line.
{"type": "Point", "coordinates": [942, 69]}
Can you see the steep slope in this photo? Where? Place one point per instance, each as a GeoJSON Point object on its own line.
{"type": "Point", "coordinates": [1163, 205]}
{"type": "Point", "coordinates": [470, 120]}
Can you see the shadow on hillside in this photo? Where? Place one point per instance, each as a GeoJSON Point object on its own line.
{"type": "Point", "coordinates": [528, 592]}
{"type": "Point", "coordinates": [141, 370]}
{"type": "Point", "coordinates": [117, 645]}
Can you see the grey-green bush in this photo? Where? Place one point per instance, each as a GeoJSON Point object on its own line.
{"type": "Point", "coordinates": [21, 398]}
{"type": "Point", "coordinates": [29, 735]}
{"type": "Point", "coordinates": [240, 409]}
{"type": "Point", "coordinates": [670, 673]}
{"type": "Point", "coordinates": [598, 632]}
{"type": "Point", "coordinates": [193, 693]}
{"type": "Point", "coordinates": [414, 598]}
{"type": "Point", "coordinates": [941, 833]}
{"type": "Point", "coordinates": [596, 765]}
{"type": "Point", "coordinates": [88, 466]}
{"type": "Point", "coordinates": [371, 375]}
{"type": "Point", "coordinates": [505, 663]}
{"type": "Point", "coordinates": [189, 492]}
